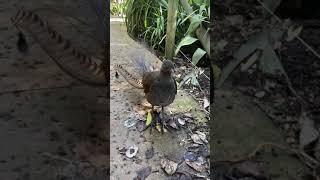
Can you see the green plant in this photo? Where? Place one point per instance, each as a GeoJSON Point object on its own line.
{"type": "Point", "coordinates": [117, 9]}
{"type": "Point", "coordinates": [147, 19]}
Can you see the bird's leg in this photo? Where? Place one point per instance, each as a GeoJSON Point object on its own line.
{"type": "Point", "coordinates": [164, 124]}
{"type": "Point", "coordinates": [153, 121]}
{"type": "Point", "coordinates": [162, 119]}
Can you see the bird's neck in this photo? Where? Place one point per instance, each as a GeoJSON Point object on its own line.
{"type": "Point", "coordinates": [165, 73]}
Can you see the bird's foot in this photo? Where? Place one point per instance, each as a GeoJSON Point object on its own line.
{"type": "Point", "coordinates": [157, 122]}
{"type": "Point", "coordinates": [162, 125]}
{"type": "Point", "coordinates": [152, 123]}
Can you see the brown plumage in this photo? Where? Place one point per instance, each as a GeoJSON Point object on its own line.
{"type": "Point", "coordinates": [88, 69]}
{"type": "Point", "coordinates": [160, 87]}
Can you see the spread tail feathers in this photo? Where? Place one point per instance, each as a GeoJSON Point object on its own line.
{"type": "Point", "coordinates": [129, 77]}
{"type": "Point", "coordinates": [140, 62]}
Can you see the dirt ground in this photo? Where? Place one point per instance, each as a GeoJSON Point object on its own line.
{"type": "Point", "coordinates": [125, 101]}
{"type": "Point", "coordinates": [53, 132]}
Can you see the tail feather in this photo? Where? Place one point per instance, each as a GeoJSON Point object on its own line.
{"type": "Point", "coordinates": [135, 82]}
{"type": "Point", "coordinates": [86, 68]}
{"type": "Point", "coordinates": [140, 63]}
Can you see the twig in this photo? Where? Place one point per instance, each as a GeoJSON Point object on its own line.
{"type": "Point", "coordinates": [297, 36]}
{"type": "Point", "coordinates": [57, 157]}
{"type": "Point", "coordinates": [38, 89]}
{"type": "Point", "coordinates": [305, 158]}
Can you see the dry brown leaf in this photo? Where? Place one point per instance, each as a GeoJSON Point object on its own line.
{"type": "Point", "coordinates": [308, 133]}
{"type": "Point", "coordinates": [169, 167]}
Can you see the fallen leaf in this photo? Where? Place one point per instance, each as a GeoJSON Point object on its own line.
{"type": "Point", "coordinates": [143, 173]}
{"type": "Point", "coordinates": [249, 168]}
{"type": "Point", "coordinates": [122, 150]}
{"type": "Point", "coordinates": [158, 127]}
{"type": "Point", "coordinates": [140, 125]}
{"type": "Point", "coordinates": [189, 115]}
{"type": "Point", "coordinates": [260, 94]}
{"type": "Point", "coordinates": [181, 121]}
{"type": "Point", "coordinates": [220, 45]}
{"type": "Point", "coordinates": [197, 165]}
{"type": "Point", "coordinates": [169, 167]}
{"type": "Point", "coordinates": [149, 153]}
{"type": "Point", "coordinates": [308, 133]}
{"type": "Point", "coordinates": [235, 20]}
{"type": "Point", "coordinates": [131, 121]}
{"type": "Point", "coordinates": [149, 118]}
{"type": "Point", "coordinates": [202, 136]}
{"type": "Point", "coordinates": [181, 176]}
{"type": "Point", "coordinates": [132, 151]}
{"type": "Point", "coordinates": [115, 88]}
{"type": "Point", "coordinates": [196, 139]}
{"type": "Point", "coordinates": [206, 103]}
{"type": "Point", "coordinates": [173, 124]}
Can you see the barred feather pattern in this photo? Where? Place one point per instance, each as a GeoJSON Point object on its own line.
{"type": "Point", "coordinates": [134, 81]}
{"type": "Point", "coordinates": [88, 69]}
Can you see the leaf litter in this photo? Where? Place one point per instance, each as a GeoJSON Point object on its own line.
{"type": "Point", "coordinates": [283, 80]}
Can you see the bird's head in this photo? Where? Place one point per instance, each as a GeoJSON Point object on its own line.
{"type": "Point", "coordinates": [167, 67]}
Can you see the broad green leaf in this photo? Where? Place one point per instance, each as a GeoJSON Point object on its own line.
{"type": "Point", "coordinates": [184, 42]}
{"type": "Point", "coordinates": [145, 17]}
{"type": "Point", "coordinates": [185, 80]}
{"type": "Point", "coordinates": [164, 3]}
{"type": "Point", "coordinates": [187, 17]}
{"type": "Point", "coordinates": [258, 41]}
{"type": "Point", "coordinates": [202, 9]}
{"type": "Point", "coordinates": [194, 80]}
{"type": "Point", "coordinates": [195, 22]}
{"type": "Point", "coordinates": [270, 63]}
{"type": "Point", "coordinates": [197, 55]}
{"type": "Point", "coordinates": [198, 2]}
{"type": "Point", "coordinates": [149, 118]}
{"type": "Point", "coordinates": [190, 78]}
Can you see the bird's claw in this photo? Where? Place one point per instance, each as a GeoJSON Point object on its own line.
{"type": "Point", "coordinates": [155, 122]}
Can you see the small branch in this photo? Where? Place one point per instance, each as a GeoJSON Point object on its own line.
{"type": "Point", "coordinates": [37, 89]}
{"type": "Point", "coordinates": [305, 158]}
{"type": "Point", "coordinates": [57, 158]}
{"type": "Point", "coordinates": [297, 36]}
